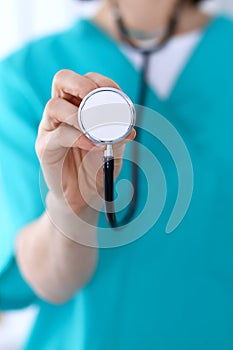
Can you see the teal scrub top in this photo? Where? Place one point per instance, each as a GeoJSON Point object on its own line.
{"type": "Point", "coordinates": [162, 291]}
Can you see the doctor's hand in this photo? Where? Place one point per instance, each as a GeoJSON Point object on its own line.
{"type": "Point", "coordinates": [71, 163]}
{"type": "Point", "coordinates": [51, 258]}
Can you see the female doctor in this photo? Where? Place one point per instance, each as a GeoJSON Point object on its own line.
{"type": "Point", "coordinates": [161, 291]}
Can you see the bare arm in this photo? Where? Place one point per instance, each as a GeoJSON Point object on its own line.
{"type": "Point", "coordinates": [54, 265]}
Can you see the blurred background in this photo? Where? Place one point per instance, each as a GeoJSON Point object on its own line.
{"type": "Point", "coordinates": [20, 22]}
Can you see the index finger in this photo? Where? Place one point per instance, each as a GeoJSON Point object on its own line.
{"type": "Point", "coordinates": [101, 81]}
{"type": "Point", "coordinates": [74, 85]}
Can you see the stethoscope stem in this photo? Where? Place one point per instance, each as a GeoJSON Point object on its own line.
{"type": "Point", "coordinates": [108, 168]}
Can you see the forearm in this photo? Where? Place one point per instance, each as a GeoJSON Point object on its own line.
{"type": "Point", "coordinates": [54, 265]}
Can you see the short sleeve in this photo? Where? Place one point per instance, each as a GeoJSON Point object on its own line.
{"type": "Point", "coordinates": [20, 113]}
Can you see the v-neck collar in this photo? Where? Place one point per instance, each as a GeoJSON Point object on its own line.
{"type": "Point", "coordinates": [109, 45]}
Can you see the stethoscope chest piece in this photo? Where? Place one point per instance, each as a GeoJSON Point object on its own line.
{"type": "Point", "coordinates": [106, 116]}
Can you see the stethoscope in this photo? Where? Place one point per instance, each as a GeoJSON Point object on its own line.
{"type": "Point", "coordinates": [107, 116]}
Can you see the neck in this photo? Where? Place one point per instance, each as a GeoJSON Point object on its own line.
{"type": "Point", "coordinates": [149, 18]}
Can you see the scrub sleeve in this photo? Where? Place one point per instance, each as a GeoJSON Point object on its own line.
{"type": "Point", "coordinates": [20, 201]}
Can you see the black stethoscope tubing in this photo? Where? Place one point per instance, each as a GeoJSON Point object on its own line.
{"type": "Point", "coordinates": [108, 161]}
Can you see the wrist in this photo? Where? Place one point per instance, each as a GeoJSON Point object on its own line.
{"type": "Point", "coordinates": [79, 226]}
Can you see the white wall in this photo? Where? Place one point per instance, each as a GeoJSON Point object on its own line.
{"type": "Point", "coordinates": [21, 20]}
{"type": "Point", "coordinates": [220, 6]}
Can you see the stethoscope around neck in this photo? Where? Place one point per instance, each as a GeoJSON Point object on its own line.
{"type": "Point", "coordinates": [107, 116]}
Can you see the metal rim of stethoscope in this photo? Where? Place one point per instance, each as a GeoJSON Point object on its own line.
{"type": "Point", "coordinates": [88, 133]}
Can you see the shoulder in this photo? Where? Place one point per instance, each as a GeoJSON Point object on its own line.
{"type": "Point", "coordinates": [48, 44]}
{"type": "Point", "coordinates": [35, 64]}
{"type": "Point", "coordinates": [40, 59]}
{"type": "Point", "coordinates": [224, 23]}
{"type": "Point", "coordinates": [216, 46]}
{"type": "Point", "coordinates": [220, 30]}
